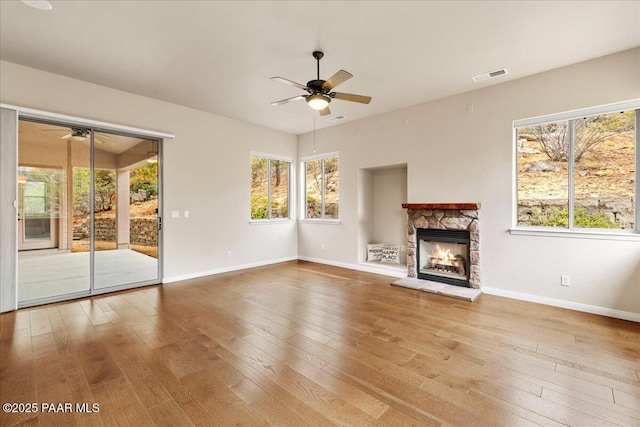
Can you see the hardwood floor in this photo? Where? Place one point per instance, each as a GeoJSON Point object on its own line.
{"type": "Point", "coordinates": [306, 344]}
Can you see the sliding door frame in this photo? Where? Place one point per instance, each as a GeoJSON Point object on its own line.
{"type": "Point", "coordinates": [11, 292]}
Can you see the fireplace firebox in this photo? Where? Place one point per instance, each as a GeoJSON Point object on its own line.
{"type": "Point", "coordinates": [443, 256]}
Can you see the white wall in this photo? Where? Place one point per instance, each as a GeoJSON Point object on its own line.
{"type": "Point", "coordinates": [389, 218]}
{"type": "Point", "coordinates": [455, 156]}
{"type": "Point", "coordinates": [206, 169]}
{"type": "Point", "coordinates": [381, 193]}
{"type": "Point", "coordinates": [207, 173]}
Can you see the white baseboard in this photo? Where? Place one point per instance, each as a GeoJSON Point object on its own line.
{"type": "Point", "coordinates": [395, 272]}
{"type": "Point", "coordinates": [369, 268]}
{"type": "Point", "coordinates": [593, 309]}
{"type": "Point", "coordinates": [226, 269]}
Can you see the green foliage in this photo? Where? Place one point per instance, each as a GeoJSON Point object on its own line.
{"type": "Point", "coordinates": [279, 210]}
{"type": "Point", "coordinates": [314, 205]}
{"type": "Point", "coordinates": [259, 209]}
{"type": "Point", "coordinates": [258, 170]}
{"type": "Point", "coordinates": [560, 218]}
{"type": "Point", "coordinates": [152, 190]}
{"type": "Point", "coordinates": [80, 187]}
{"type": "Point", "coordinates": [144, 177]}
{"type": "Point", "coordinates": [105, 187]}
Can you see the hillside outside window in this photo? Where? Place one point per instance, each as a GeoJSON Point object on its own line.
{"type": "Point", "coordinates": [578, 170]}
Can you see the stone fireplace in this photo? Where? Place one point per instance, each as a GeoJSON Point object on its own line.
{"type": "Point", "coordinates": [443, 243]}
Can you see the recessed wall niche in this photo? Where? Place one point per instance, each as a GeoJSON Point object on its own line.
{"type": "Point", "coordinates": [381, 192]}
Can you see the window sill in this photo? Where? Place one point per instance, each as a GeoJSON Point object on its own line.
{"type": "Point", "coordinates": [627, 235]}
{"type": "Point", "coordinates": [271, 221]}
{"type": "Point", "coordinates": [321, 221]}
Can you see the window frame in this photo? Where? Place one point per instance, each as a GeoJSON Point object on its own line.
{"type": "Point", "coordinates": [571, 230]}
{"type": "Point", "coordinates": [303, 189]}
{"type": "Point", "coordinates": [290, 170]}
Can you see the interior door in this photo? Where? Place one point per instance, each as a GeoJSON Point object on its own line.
{"type": "Point", "coordinates": [38, 199]}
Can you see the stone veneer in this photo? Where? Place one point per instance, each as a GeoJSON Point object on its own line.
{"type": "Point", "coordinates": [452, 216]}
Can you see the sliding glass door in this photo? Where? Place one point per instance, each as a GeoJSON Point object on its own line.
{"type": "Point", "coordinates": [88, 212]}
{"type": "Point", "coordinates": [126, 212]}
{"type": "Point", "coordinates": [49, 212]}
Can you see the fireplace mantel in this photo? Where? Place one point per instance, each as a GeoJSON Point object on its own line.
{"type": "Point", "coordinates": [441, 206]}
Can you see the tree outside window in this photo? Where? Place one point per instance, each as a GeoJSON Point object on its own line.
{"type": "Point", "coordinates": [269, 188]}
{"type": "Point", "coordinates": [578, 172]}
{"type": "Point", "coordinates": [321, 188]}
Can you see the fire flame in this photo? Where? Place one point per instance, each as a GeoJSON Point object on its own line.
{"type": "Point", "coordinates": [444, 256]}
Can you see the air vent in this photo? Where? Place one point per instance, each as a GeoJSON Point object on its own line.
{"type": "Point", "coordinates": [337, 118]}
{"type": "Point", "coordinates": [489, 75]}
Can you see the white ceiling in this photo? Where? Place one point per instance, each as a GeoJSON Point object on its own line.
{"type": "Point", "coordinates": [219, 56]}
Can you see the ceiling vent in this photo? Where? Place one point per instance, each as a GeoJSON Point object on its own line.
{"type": "Point", "coordinates": [337, 118]}
{"type": "Point", "coordinates": [490, 75]}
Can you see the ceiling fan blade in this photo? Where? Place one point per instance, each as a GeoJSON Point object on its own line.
{"type": "Point", "coordinates": [289, 82]}
{"type": "Point", "coordinates": [325, 111]}
{"type": "Point", "coordinates": [284, 101]}
{"type": "Point", "coordinates": [351, 97]}
{"type": "Point", "coordinates": [69, 135]}
{"type": "Point", "coordinates": [338, 78]}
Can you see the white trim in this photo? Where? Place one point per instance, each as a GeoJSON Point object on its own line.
{"type": "Point", "coordinates": [576, 306]}
{"type": "Point", "coordinates": [46, 115]}
{"type": "Point", "coordinates": [226, 269]}
{"type": "Point", "coordinates": [577, 234]}
{"type": "Point", "coordinates": [272, 156]}
{"type": "Point", "coordinates": [568, 115]}
{"type": "Point", "coordinates": [320, 221]}
{"type": "Point", "coordinates": [602, 311]}
{"type": "Point", "coordinates": [593, 309]}
{"type": "Point", "coordinates": [359, 267]}
{"type": "Point", "coordinates": [271, 221]}
{"type": "Point", "coordinates": [319, 156]}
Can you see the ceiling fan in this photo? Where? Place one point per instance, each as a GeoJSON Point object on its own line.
{"type": "Point", "coordinates": [320, 91]}
{"type": "Point", "coordinates": [78, 134]}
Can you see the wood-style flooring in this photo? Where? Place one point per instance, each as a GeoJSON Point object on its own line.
{"type": "Point", "coordinates": [298, 344]}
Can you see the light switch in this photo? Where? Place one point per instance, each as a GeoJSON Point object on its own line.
{"type": "Point", "coordinates": [175, 214]}
{"type": "Point", "coordinates": [186, 214]}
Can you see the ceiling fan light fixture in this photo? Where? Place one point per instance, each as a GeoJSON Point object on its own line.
{"type": "Point", "coordinates": [318, 101]}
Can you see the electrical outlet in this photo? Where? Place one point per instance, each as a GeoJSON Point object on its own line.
{"type": "Point", "coordinates": [565, 280]}
{"type": "Point", "coordinates": [403, 248]}
{"type": "Point", "coordinates": [175, 214]}
{"type": "Point", "coordinates": [228, 254]}
{"type": "Point", "coordinates": [186, 214]}
{"type": "Point", "coordinates": [321, 248]}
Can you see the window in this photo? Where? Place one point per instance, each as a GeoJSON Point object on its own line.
{"type": "Point", "coordinates": [321, 178]}
{"type": "Point", "coordinates": [269, 187]}
{"type": "Point", "coordinates": [578, 171]}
